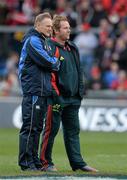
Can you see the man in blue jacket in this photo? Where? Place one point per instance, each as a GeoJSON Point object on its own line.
{"type": "Point", "coordinates": [35, 66]}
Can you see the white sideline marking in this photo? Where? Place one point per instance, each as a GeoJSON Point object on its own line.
{"type": "Point", "coordinates": [65, 178]}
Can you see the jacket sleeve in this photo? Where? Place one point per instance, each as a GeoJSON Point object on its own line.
{"type": "Point", "coordinates": [82, 79]}
{"type": "Point", "coordinates": [40, 56]}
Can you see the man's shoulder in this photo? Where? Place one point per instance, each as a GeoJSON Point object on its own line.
{"type": "Point", "coordinates": [33, 39]}
{"type": "Point", "coordinates": [36, 40]}
{"type": "Point", "coordinates": [32, 32]}
{"type": "Point", "coordinates": [73, 45]}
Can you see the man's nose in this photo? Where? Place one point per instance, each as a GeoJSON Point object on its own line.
{"type": "Point", "coordinates": [50, 28]}
{"type": "Point", "coordinates": [69, 30]}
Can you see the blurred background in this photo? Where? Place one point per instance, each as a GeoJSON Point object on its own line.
{"type": "Point", "coordinates": [99, 29]}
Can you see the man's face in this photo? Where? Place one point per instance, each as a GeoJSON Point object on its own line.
{"type": "Point", "coordinates": [64, 31]}
{"type": "Point", "coordinates": [45, 27]}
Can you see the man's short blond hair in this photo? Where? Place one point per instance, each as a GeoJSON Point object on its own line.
{"type": "Point", "coordinates": [41, 16]}
{"type": "Point", "coordinates": [56, 21]}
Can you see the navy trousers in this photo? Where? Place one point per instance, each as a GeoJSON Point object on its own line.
{"type": "Point", "coordinates": [33, 112]}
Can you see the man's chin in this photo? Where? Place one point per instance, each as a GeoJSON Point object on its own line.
{"type": "Point", "coordinates": [68, 37]}
{"type": "Point", "coordinates": [48, 35]}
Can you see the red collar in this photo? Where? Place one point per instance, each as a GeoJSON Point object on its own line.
{"type": "Point", "coordinates": [53, 39]}
{"type": "Point", "coordinates": [66, 47]}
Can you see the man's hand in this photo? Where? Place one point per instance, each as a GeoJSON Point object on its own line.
{"type": "Point", "coordinates": [56, 66]}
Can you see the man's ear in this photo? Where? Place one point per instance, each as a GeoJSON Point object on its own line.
{"type": "Point", "coordinates": [37, 25]}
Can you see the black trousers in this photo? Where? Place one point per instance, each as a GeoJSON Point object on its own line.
{"type": "Point", "coordinates": [33, 112]}
{"type": "Point", "coordinates": [70, 123]}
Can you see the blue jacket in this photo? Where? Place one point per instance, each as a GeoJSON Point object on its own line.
{"type": "Point", "coordinates": [35, 65]}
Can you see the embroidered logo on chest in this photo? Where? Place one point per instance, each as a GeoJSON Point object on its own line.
{"type": "Point", "coordinates": [61, 58]}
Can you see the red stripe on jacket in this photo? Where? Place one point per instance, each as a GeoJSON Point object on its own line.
{"type": "Point", "coordinates": [54, 76]}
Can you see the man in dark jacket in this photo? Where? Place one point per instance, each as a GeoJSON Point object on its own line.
{"type": "Point", "coordinates": [35, 66]}
{"type": "Point", "coordinates": [68, 92]}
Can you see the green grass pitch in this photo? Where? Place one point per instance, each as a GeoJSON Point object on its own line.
{"type": "Point", "coordinates": [105, 151]}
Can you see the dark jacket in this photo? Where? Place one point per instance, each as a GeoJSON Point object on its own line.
{"type": "Point", "coordinates": [70, 75]}
{"type": "Point", "coordinates": [35, 65]}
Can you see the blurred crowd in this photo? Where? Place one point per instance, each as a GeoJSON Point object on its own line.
{"type": "Point", "coordinates": [99, 29]}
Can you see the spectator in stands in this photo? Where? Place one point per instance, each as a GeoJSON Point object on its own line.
{"type": "Point", "coordinates": [122, 29]}
{"type": "Point", "coordinates": [85, 11]}
{"type": "Point", "coordinates": [22, 12]}
{"type": "Point", "coordinates": [86, 42]}
{"type": "Point", "coordinates": [48, 5]}
{"type": "Point", "coordinates": [12, 80]}
{"type": "Point", "coordinates": [3, 12]}
{"type": "Point", "coordinates": [105, 30]}
{"type": "Point", "coordinates": [30, 9]}
{"type": "Point", "coordinates": [107, 4]}
{"type": "Point", "coordinates": [120, 8]}
{"type": "Point", "coordinates": [3, 86]}
{"type": "Point", "coordinates": [12, 62]}
{"type": "Point", "coordinates": [96, 81]}
{"type": "Point", "coordinates": [120, 53]}
{"type": "Point", "coordinates": [98, 13]}
{"type": "Point", "coordinates": [123, 34]}
{"type": "Point", "coordinates": [12, 84]}
{"type": "Point", "coordinates": [71, 14]}
{"type": "Point", "coordinates": [104, 54]}
{"type": "Point", "coordinates": [61, 6]}
{"type": "Point", "coordinates": [110, 75]}
{"type": "Point", "coordinates": [121, 83]}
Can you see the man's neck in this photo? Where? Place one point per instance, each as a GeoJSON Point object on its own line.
{"type": "Point", "coordinates": [42, 34]}
{"type": "Point", "coordinates": [57, 39]}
